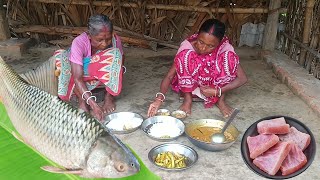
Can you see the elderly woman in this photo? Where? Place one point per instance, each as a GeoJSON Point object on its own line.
{"type": "Point", "coordinates": [94, 59]}
{"type": "Point", "coordinates": [206, 66]}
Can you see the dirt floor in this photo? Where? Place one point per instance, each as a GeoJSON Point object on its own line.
{"type": "Point", "coordinates": [263, 95]}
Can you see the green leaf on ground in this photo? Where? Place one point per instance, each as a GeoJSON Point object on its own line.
{"type": "Point", "coordinates": [20, 161]}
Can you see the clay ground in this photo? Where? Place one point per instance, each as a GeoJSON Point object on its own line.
{"type": "Point", "coordinates": [263, 95]}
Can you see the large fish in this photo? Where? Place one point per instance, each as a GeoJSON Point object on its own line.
{"type": "Point", "coordinates": [73, 139]}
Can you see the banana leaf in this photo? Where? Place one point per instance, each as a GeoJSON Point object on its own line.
{"type": "Point", "coordinates": [20, 161]}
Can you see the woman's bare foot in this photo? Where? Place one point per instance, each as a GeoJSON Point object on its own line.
{"type": "Point", "coordinates": [224, 108]}
{"type": "Point", "coordinates": [187, 103]}
{"type": "Point", "coordinates": [109, 105]}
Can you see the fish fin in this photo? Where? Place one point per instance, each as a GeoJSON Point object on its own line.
{"type": "Point", "coordinates": [43, 77]}
{"type": "Point", "coordinates": [17, 136]}
{"type": "Point", "coordinates": [57, 170]}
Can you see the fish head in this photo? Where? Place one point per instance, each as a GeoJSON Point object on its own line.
{"type": "Point", "coordinates": [110, 158]}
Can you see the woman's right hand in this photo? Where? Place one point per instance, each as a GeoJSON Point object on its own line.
{"type": "Point", "coordinates": [153, 108]}
{"type": "Point", "coordinates": [97, 111]}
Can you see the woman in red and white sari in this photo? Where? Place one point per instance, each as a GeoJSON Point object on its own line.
{"type": "Point", "coordinates": [205, 65]}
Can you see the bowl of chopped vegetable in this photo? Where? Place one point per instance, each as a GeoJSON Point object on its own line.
{"type": "Point", "coordinates": [173, 156]}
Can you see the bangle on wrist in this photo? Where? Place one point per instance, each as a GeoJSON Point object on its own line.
{"type": "Point", "coordinates": [90, 98]}
{"type": "Point", "coordinates": [85, 93]}
{"type": "Point", "coordinates": [219, 94]}
{"type": "Point", "coordinates": [159, 93]}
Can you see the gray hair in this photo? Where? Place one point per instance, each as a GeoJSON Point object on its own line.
{"type": "Point", "coordinates": [97, 23]}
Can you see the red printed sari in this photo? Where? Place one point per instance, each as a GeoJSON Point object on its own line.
{"type": "Point", "coordinates": [102, 69]}
{"type": "Point", "coordinates": [215, 69]}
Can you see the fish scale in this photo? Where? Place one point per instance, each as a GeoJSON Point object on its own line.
{"type": "Point", "coordinates": [61, 132]}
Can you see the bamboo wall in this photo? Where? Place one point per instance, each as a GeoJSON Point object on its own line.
{"type": "Point", "coordinates": [306, 51]}
{"type": "Point", "coordinates": [144, 23]}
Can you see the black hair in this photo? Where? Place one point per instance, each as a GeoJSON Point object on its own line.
{"type": "Point", "coordinates": [213, 27]}
{"type": "Point", "coordinates": [98, 22]}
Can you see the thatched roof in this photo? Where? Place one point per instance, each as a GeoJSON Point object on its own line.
{"type": "Point", "coordinates": [165, 20]}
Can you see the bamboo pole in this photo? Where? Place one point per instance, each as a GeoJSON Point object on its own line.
{"type": "Point", "coordinates": [164, 7]}
{"type": "Point", "coordinates": [130, 40]}
{"type": "Point", "coordinates": [51, 30]}
{"type": "Point", "coordinates": [139, 42]}
{"type": "Point", "coordinates": [306, 30]}
{"type": "Point", "coordinates": [315, 53]}
{"type": "Point", "coordinates": [164, 43]}
{"type": "Point", "coordinates": [58, 30]}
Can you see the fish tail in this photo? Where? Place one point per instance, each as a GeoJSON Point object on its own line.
{"type": "Point", "coordinates": [43, 77]}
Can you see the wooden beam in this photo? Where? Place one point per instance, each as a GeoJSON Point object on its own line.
{"type": "Point", "coordinates": [59, 30]}
{"type": "Point", "coordinates": [162, 6]}
{"type": "Point", "coordinates": [271, 28]}
{"type": "Point", "coordinates": [51, 30]}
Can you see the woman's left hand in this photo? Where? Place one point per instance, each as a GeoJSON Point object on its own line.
{"type": "Point", "coordinates": [208, 91]}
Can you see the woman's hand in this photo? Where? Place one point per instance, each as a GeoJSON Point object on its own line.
{"type": "Point", "coordinates": [97, 111]}
{"type": "Point", "coordinates": [153, 108]}
{"type": "Point", "coordinates": [208, 91]}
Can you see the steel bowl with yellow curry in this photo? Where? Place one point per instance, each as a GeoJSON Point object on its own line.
{"type": "Point", "coordinates": [199, 132]}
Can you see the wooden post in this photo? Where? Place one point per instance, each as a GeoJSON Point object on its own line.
{"type": "Point", "coordinates": [4, 26]}
{"type": "Point", "coordinates": [270, 32]}
{"type": "Point", "coordinates": [306, 30]}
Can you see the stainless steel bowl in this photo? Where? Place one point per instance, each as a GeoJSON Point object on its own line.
{"type": "Point", "coordinates": [192, 126]}
{"type": "Point", "coordinates": [188, 152]}
{"type": "Point", "coordinates": [163, 112]}
{"type": "Point", "coordinates": [123, 122]}
{"type": "Point", "coordinates": [168, 123]}
{"type": "Point", "coordinates": [179, 114]}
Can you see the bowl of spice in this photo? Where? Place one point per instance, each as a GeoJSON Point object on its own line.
{"type": "Point", "coordinates": [163, 112]}
{"type": "Point", "coordinates": [179, 114]}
